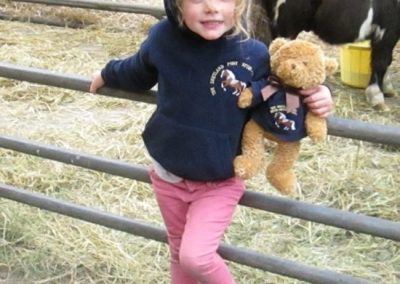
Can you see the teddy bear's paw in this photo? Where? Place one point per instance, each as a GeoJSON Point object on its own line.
{"type": "Point", "coordinates": [284, 182]}
{"type": "Point", "coordinates": [245, 98]}
{"type": "Point", "coordinates": [244, 167]}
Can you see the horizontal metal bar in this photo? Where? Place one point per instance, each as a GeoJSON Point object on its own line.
{"type": "Point", "coordinates": [342, 127]}
{"type": "Point", "coordinates": [67, 81]}
{"type": "Point", "coordinates": [157, 12]}
{"type": "Point", "coordinates": [329, 216]}
{"type": "Point", "coordinates": [83, 213]}
{"type": "Point", "coordinates": [315, 213]}
{"type": "Point", "coordinates": [42, 20]}
{"type": "Point", "coordinates": [359, 130]}
{"type": "Point", "coordinates": [105, 165]}
{"type": "Point", "coordinates": [239, 255]}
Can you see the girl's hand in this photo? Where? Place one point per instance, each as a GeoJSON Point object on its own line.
{"type": "Point", "coordinates": [97, 82]}
{"type": "Point", "coordinates": [319, 100]}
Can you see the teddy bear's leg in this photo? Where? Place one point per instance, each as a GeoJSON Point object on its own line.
{"type": "Point", "coordinates": [316, 127]}
{"type": "Point", "coordinates": [247, 164]}
{"type": "Point", "coordinates": [280, 170]}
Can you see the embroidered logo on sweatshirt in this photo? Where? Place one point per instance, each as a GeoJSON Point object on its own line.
{"type": "Point", "coordinates": [230, 78]}
{"type": "Point", "coordinates": [229, 81]}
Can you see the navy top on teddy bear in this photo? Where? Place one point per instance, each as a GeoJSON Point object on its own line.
{"type": "Point", "coordinates": [282, 112]}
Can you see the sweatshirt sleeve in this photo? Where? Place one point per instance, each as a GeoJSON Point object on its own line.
{"type": "Point", "coordinates": [135, 73]}
{"type": "Point", "coordinates": [260, 78]}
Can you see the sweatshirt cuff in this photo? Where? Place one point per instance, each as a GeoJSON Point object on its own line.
{"type": "Point", "coordinates": [103, 75]}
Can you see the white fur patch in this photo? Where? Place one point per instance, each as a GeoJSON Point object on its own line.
{"type": "Point", "coordinates": [388, 87]}
{"type": "Point", "coordinates": [374, 95]}
{"type": "Point", "coordinates": [366, 27]}
{"type": "Point", "coordinates": [276, 12]}
{"type": "Point", "coordinates": [379, 32]}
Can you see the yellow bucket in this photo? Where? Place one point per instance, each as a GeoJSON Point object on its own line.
{"type": "Point", "coordinates": [355, 68]}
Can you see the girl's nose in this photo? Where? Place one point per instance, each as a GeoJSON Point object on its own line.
{"type": "Point", "coordinates": [211, 6]}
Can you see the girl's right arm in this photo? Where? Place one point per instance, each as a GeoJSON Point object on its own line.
{"type": "Point", "coordinates": [134, 73]}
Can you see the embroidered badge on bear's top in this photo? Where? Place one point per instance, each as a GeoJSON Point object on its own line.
{"type": "Point", "coordinates": [282, 122]}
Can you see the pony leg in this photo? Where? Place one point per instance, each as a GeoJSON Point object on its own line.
{"type": "Point", "coordinates": [376, 98]}
{"type": "Point", "coordinates": [280, 171]}
{"type": "Point", "coordinates": [381, 58]}
{"type": "Point", "coordinates": [388, 88]}
{"type": "Point", "coordinates": [247, 164]}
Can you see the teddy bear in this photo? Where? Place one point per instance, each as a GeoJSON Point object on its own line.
{"type": "Point", "coordinates": [282, 117]}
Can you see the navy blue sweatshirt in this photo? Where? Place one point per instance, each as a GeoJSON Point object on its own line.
{"type": "Point", "coordinates": [195, 131]}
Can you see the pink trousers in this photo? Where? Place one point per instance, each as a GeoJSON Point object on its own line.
{"type": "Point", "coordinates": [196, 215]}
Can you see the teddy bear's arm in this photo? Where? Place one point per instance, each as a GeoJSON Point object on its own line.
{"type": "Point", "coordinates": [245, 98]}
{"type": "Point", "coordinates": [252, 95]}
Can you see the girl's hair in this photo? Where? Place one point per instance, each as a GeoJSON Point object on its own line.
{"type": "Point", "coordinates": [239, 17]}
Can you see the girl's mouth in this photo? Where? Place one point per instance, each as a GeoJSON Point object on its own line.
{"type": "Point", "coordinates": [211, 24]}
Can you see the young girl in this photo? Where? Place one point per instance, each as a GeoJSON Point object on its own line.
{"type": "Point", "coordinates": [201, 61]}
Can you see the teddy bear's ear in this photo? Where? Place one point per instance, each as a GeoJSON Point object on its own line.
{"type": "Point", "coordinates": [331, 65]}
{"type": "Point", "coordinates": [276, 44]}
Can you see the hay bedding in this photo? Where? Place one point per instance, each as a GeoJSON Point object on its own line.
{"type": "Point", "coordinates": [41, 247]}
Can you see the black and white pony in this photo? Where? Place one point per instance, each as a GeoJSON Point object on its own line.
{"type": "Point", "coordinates": [338, 22]}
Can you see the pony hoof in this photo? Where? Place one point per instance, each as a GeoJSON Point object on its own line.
{"type": "Point", "coordinates": [381, 107]}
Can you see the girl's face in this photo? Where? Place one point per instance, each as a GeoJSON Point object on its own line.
{"type": "Point", "coordinates": [209, 18]}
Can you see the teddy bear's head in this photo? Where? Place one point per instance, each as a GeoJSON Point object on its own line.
{"type": "Point", "coordinates": [299, 63]}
